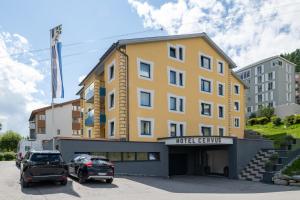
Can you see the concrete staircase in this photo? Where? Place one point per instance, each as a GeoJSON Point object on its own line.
{"type": "Point", "coordinates": [255, 169]}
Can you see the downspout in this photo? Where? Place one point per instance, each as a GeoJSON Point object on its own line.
{"type": "Point", "coordinates": [118, 48]}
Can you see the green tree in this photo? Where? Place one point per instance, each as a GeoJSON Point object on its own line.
{"type": "Point", "coordinates": [267, 112]}
{"type": "Point", "coordinates": [293, 57]}
{"type": "Point", "coordinates": [9, 141]}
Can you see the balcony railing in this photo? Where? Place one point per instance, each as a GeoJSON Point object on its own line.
{"type": "Point", "coordinates": [89, 120]}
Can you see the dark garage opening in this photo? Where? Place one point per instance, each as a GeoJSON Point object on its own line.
{"type": "Point", "coordinates": [196, 160]}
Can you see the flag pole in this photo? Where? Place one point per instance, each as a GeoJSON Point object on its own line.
{"type": "Point", "coordinates": [52, 99]}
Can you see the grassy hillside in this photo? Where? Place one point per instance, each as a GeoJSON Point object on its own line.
{"type": "Point", "coordinates": [270, 129]}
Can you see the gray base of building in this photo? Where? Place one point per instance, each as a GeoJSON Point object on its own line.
{"type": "Point", "coordinates": [158, 159]}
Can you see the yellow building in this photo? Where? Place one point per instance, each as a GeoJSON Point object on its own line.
{"type": "Point", "coordinates": [147, 89]}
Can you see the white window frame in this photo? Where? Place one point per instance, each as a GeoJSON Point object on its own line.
{"type": "Point", "coordinates": [221, 105]}
{"type": "Point", "coordinates": [177, 71]}
{"type": "Point", "coordinates": [224, 131]}
{"type": "Point", "coordinates": [178, 123]}
{"type": "Point", "coordinates": [211, 61]}
{"type": "Point", "coordinates": [211, 107]}
{"type": "Point", "coordinates": [176, 47]}
{"type": "Point", "coordinates": [152, 122]}
{"type": "Point", "coordinates": [234, 118]}
{"type": "Point", "coordinates": [139, 90]}
{"type": "Point", "coordinates": [211, 85]}
{"type": "Point", "coordinates": [218, 68]}
{"type": "Point", "coordinates": [177, 103]}
{"type": "Point", "coordinates": [108, 99]}
{"type": "Point", "coordinates": [139, 60]}
{"type": "Point", "coordinates": [220, 83]}
{"type": "Point", "coordinates": [236, 101]}
{"type": "Point", "coordinates": [233, 88]}
{"type": "Point", "coordinates": [208, 126]}
{"type": "Point", "coordinates": [109, 130]}
{"type": "Point", "coordinates": [111, 65]}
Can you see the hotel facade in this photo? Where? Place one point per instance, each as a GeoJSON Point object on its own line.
{"type": "Point", "coordinates": [165, 106]}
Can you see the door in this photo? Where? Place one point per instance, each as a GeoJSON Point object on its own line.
{"type": "Point", "coordinates": [177, 164]}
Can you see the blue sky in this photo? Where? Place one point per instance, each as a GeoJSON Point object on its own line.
{"type": "Point", "coordinates": [246, 30]}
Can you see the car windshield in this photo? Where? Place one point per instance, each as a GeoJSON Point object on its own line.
{"type": "Point", "coordinates": [46, 157]}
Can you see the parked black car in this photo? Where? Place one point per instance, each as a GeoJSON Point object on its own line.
{"type": "Point", "coordinates": [43, 166]}
{"type": "Point", "coordinates": [86, 167]}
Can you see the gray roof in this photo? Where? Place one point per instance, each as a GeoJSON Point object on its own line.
{"type": "Point", "coordinates": [156, 39]}
{"type": "Point", "coordinates": [263, 61]}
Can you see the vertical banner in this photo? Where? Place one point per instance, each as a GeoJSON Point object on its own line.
{"type": "Point", "coordinates": [56, 63]}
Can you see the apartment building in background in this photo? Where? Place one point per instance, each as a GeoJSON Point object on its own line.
{"type": "Point", "coordinates": [271, 82]}
{"type": "Point", "coordinates": [297, 87]}
{"type": "Point", "coordinates": [150, 88]}
{"type": "Point", "coordinates": [66, 121]}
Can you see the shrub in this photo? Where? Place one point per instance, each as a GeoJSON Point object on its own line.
{"type": "Point", "coordinates": [289, 120]}
{"type": "Point", "coordinates": [9, 156]}
{"type": "Point", "coordinates": [276, 121]}
{"type": "Point", "coordinates": [252, 121]}
{"type": "Point", "coordinates": [297, 119]}
{"type": "Point", "coordinates": [1, 156]}
{"type": "Point", "coordinates": [267, 112]}
{"type": "Point", "coordinates": [262, 120]}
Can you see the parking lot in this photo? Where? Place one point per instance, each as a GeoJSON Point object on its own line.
{"type": "Point", "coordinates": [127, 187]}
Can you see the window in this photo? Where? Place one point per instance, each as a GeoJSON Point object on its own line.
{"type": "Point", "coordinates": [236, 122]}
{"type": "Point", "coordinates": [221, 111]}
{"type": "Point", "coordinates": [76, 132]}
{"type": "Point", "coordinates": [221, 131]}
{"type": "Point", "coordinates": [76, 108]}
{"type": "Point", "coordinates": [176, 52]}
{"type": "Point", "coordinates": [220, 67]}
{"type": "Point", "coordinates": [176, 129]}
{"type": "Point", "coordinates": [111, 128]}
{"type": "Point", "coordinates": [176, 103]}
{"type": "Point", "coordinates": [259, 98]}
{"type": "Point", "coordinates": [111, 100]}
{"type": "Point", "coordinates": [176, 77]}
{"type": "Point", "coordinates": [205, 85]}
{"type": "Point", "coordinates": [259, 79]}
{"type": "Point", "coordinates": [270, 76]}
{"type": "Point", "coordinates": [259, 88]}
{"type": "Point", "coordinates": [220, 89]}
{"type": "Point", "coordinates": [145, 98]}
{"type": "Point", "coordinates": [236, 106]}
{"type": "Point", "coordinates": [236, 89]}
{"type": "Point", "coordinates": [141, 156]}
{"type": "Point", "coordinates": [154, 156]}
{"type": "Point", "coordinates": [259, 69]}
{"type": "Point", "coordinates": [146, 126]}
{"type": "Point", "coordinates": [145, 69]}
{"type": "Point", "coordinates": [206, 130]}
{"type": "Point", "coordinates": [128, 156]}
{"type": "Point", "coordinates": [249, 109]}
{"type": "Point", "coordinates": [111, 72]}
{"type": "Point", "coordinates": [270, 86]}
{"type": "Point", "coordinates": [270, 104]}
{"type": "Point", "coordinates": [114, 156]}
{"type": "Point", "coordinates": [58, 131]}
{"type": "Point", "coordinates": [206, 109]}
{"type": "Point", "coordinates": [205, 62]}
{"type": "Point", "coordinates": [90, 133]}
{"type": "Point", "coordinates": [42, 117]}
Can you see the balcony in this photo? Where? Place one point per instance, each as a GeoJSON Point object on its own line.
{"type": "Point", "coordinates": [76, 114]}
{"type": "Point", "coordinates": [76, 126]}
{"type": "Point", "coordinates": [31, 125]}
{"type": "Point", "coordinates": [89, 97]}
{"type": "Point", "coordinates": [89, 120]}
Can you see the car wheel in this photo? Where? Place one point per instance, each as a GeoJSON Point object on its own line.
{"type": "Point", "coordinates": [109, 180]}
{"type": "Point", "coordinates": [24, 183]}
{"type": "Point", "coordinates": [81, 178]}
{"type": "Point", "coordinates": [64, 182]}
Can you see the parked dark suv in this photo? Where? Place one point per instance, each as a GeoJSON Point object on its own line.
{"type": "Point", "coordinates": [43, 166]}
{"type": "Point", "coordinates": [85, 167]}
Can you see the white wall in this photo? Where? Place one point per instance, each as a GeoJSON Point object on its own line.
{"type": "Point", "coordinates": [62, 120]}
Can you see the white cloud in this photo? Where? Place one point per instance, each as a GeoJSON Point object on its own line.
{"type": "Point", "coordinates": [246, 30]}
{"type": "Point", "coordinates": [19, 82]}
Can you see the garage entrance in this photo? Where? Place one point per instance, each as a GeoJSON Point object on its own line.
{"type": "Point", "coordinates": [198, 161]}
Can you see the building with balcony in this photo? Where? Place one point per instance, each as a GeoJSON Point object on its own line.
{"type": "Point", "coordinates": [66, 121]}
{"type": "Point", "coordinates": [297, 87]}
{"type": "Point", "coordinates": [271, 83]}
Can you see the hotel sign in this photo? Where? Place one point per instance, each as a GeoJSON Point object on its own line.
{"type": "Point", "coordinates": [199, 141]}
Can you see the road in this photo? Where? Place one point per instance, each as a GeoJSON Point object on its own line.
{"type": "Point", "coordinates": [125, 188]}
